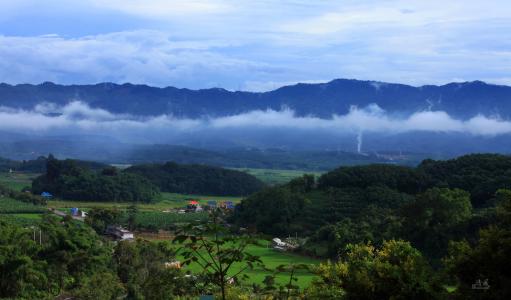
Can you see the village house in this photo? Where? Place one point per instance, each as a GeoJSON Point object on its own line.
{"type": "Point", "coordinates": [119, 232]}
{"type": "Point", "coordinates": [46, 195]}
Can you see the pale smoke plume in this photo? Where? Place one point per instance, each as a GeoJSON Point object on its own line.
{"type": "Point", "coordinates": [359, 142]}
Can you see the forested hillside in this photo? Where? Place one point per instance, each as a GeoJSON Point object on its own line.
{"type": "Point", "coordinates": [465, 99]}
{"type": "Point", "coordinates": [68, 179]}
{"type": "Point", "coordinates": [198, 179]}
{"type": "Point", "coordinates": [389, 232]}
{"type": "Point", "coordinates": [429, 205]}
{"type": "Point", "coordinates": [38, 165]}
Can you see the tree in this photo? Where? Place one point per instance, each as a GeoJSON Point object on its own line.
{"type": "Point", "coordinates": [374, 225]}
{"type": "Point", "coordinates": [100, 218]}
{"type": "Point", "coordinates": [303, 184]}
{"type": "Point", "coordinates": [72, 251]}
{"type": "Point", "coordinates": [100, 285]}
{"type": "Point", "coordinates": [141, 266]}
{"type": "Point", "coordinates": [132, 216]}
{"type": "Point", "coordinates": [487, 260]}
{"type": "Point", "coordinates": [432, 220]}
{"type": "Point", "coordinates": [394, 271]}
{"type": "Point", "coordinates": [69, 179]}
{"type": "Point", "coordinates": [216, 251]}
{"type": "Point", "coordinates": [66, 256]}
{"type": "Point", "coordinates": [272, 210]}
{"type": "Point", "coordinates": [21, 275]}
{"type": "Point", "coordinates": [198, 179]}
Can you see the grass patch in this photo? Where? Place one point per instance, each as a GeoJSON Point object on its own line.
{"type": "Point", "coordinates": [12, 206]}
{"type": "Point", "coordinates": [272, 259]}
{"type": "Point", "coordinates": [24, 220]}
{"type": "Point", "coordinates": [37, 217]}
{"type": "Point", "coordinates": [166, 201]}
{"type": "Point", "coordinates": [166, 221]}
{"type": "Point", "coordinates": [276, 177]}
{"type": "Point", "coordinates": [17, 180]}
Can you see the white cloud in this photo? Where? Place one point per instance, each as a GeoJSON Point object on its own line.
{"type": "Point", "coordinates": [141, 56]}
{"type": "Point", "coordinates": [78, 117]}
{"type": "Point", "coordinates": [165, 8]}
{"type": "Point", "coordinates": [254, 44]}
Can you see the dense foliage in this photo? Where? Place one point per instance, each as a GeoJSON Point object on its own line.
{"type": "Point", "coordinates": [395, 271]}
{"type": "Point", "coordinates": [66, 258]}
{"type": "Point", "coordinates": [198, 179]}
{"type": "Point", "coordinates": [141, 267]}
{"type": "Point", "coordinates": [429, 205]}
{"type": "Point", "coordinates": [68, 180]}
{"type": "Point", "coordinates": [391, 232]}
{"type": "Point", "coordinates": [62, 257]}
{"type": "Point", "coordinates": [21, 196]}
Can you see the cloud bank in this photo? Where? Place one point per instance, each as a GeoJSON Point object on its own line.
{"type": "Point", "coordinates": [254, 45]}
{"type": "Point", "coordinates": [79, 118]}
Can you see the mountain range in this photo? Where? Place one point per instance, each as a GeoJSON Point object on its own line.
{"type": "Point", "coordinates": [460, 100]}
{"type": "Point", "coordinates": [310, 126]}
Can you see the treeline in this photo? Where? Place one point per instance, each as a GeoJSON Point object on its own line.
{"type": "Point", "coordinates": [430, 205]}
{"type": "Point", "coordinates": [68, 179]}
{"type": "Point", "coordinates": [82, 180]}
{"type": "Point", "coordinates": [269, 158]}
{"type": "Point", "coordinates": [62, 258]}
{"type": "Point", "coordinates": [38, 165]}
{"type": "Point", "coordinates": [24, 196]}
{"type": "Point", "coordinates": [198, 179]}
{"type": "Point", "coordinates": [65, 259]}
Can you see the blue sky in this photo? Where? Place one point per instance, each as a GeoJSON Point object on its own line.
{"type": "Point", "coordinates": [254, 45]}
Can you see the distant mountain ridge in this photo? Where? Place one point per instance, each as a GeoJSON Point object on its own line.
{"type": "Point", "coordinates": [460, 100]}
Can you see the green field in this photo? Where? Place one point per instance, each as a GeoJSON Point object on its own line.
{"type": "Point", "coordinates": [12, 206]}
{"type": "Point", "coordinates": [24, 220]}
{"type": "Point", "coordinates": [152, 215]}
{"type": "Point", "coordinates": [165, 221]}
{"type": "Point", "coordinates": [166, 201]}
{"type": "Point", "coordinates": [275, 177]}
{"type": "Point", "coordinates": [271, 260]}
{"type": "Point", "coordinates": [17, 181]}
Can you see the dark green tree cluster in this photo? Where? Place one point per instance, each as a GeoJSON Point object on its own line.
{"type": "Point", "coordinates": [68, 180]}
{"type": "Point", "coordinates": [100, 218]}
{"type": "Point", "coordinates": [38, 165]}
{"type": "Point", "coordinates": [22, 196]}
{"type": "Point", "coordinates": [144, 269]}
{"type": "Point", "coordinates": [484, 263]}
{"type": "Point", "coordinates": [57, 257]}
{"type": "Point", "coordinates": [272, 210]}
{"type": "Point", "coordinates": [198, 179]}
{"type": "Point", "coordinates": [477, 269]}
{"type": "Point", "coordinates": [67, 259]}
{"type": "Point", "coordinates": [394, 271]}
{"type": "Point", "coordinates": [429, 205]}
{"type": "Point", "coordinates": [479, 174]}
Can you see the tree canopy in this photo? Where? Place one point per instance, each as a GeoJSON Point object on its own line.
{"type": "Point", "coordinates": [198, 179]}
{"type": "Point", "coordinates": [68, 180]}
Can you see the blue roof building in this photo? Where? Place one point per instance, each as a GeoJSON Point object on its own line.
{"type": "Point", "coordinates": [46, 195]}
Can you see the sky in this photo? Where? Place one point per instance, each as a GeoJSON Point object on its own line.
{"type": "Point", "coordinates": [254, 45]}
